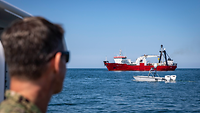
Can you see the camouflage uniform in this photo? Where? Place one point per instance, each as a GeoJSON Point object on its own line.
{"type": "Point", "coordinates": [15, 103]}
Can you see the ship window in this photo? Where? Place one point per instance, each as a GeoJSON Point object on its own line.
{"type": "Point", "coordinates": [141, 60]}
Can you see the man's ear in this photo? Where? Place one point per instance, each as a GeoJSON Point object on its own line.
{"type": "Point", "coordinates": [57, 61]}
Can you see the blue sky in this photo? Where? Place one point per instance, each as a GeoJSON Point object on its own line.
{"type": "Point", "coordinates": [96, 29]}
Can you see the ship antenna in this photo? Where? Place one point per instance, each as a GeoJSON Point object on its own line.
{"type": "Point", "coordinates": [120, 52]}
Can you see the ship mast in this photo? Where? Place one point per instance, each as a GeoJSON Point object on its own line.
{"type": "Point", "coordinates": [163, 52]}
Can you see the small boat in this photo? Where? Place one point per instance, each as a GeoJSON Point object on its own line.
{"type": "Point", "coordinates": [153, 76]}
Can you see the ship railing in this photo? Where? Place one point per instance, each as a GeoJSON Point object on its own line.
{"type": "Point", "coordinates": [174, 64]}
{"type": "Point", "coordinates": [161, 64]}
{"type": "Point", "coordinates": [164, 64]}
{"type": "Point", "coordinates": [149, 64]}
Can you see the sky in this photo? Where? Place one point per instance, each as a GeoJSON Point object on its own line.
{"type": "Point", "coordinates": [98, 29]}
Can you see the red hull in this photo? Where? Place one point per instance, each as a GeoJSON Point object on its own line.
{"type": "Point", "coordinates": [141, 67]}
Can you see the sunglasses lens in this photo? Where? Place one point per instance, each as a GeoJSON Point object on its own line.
{"type": "Point", "coordinates": [67, 58]}
{"type": "Point", "coordinates": [66, 55]}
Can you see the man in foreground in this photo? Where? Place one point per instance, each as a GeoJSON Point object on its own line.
{"type": "Point", "coordinates": [36, 56]}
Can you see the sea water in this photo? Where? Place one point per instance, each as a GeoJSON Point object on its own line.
{"type": "Point", "coordinates": [100, 90]}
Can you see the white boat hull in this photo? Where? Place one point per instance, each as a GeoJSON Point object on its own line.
{"type": "Point", "coordinates": [148, 78]}
{"type": "Point", "coordinates": [152, 78]}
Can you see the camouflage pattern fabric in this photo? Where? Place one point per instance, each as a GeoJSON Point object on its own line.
{"type": "Point", "coordinates": [15, 103]}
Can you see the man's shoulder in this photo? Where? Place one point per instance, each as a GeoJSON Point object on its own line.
{"type": "Point", "coordinates": [9, 106]}
{"type": "Point", "coordinates": [15, 103]}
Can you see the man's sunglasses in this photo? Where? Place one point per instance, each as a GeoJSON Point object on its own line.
{"type": "Point", "coordinates": [65, 53]}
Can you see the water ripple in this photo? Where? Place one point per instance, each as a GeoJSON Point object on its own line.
{"type": "Point", "coordinates": [99, 90]}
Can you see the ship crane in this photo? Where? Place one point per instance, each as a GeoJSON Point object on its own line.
{"type": "Point", "coordinates": [142, 59]}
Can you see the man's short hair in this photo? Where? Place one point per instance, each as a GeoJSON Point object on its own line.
{"type": "Point", "coordinates": [28, 45]}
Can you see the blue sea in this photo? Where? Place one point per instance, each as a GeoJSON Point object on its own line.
{"type": "Point", "coordinates": [103, 91]}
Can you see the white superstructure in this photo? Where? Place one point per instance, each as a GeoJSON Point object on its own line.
{"type": "Point", "coordinates": [120, 59]}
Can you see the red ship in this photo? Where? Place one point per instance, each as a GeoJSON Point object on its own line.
{"type": "Point", "coordinates": [165, 63]}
